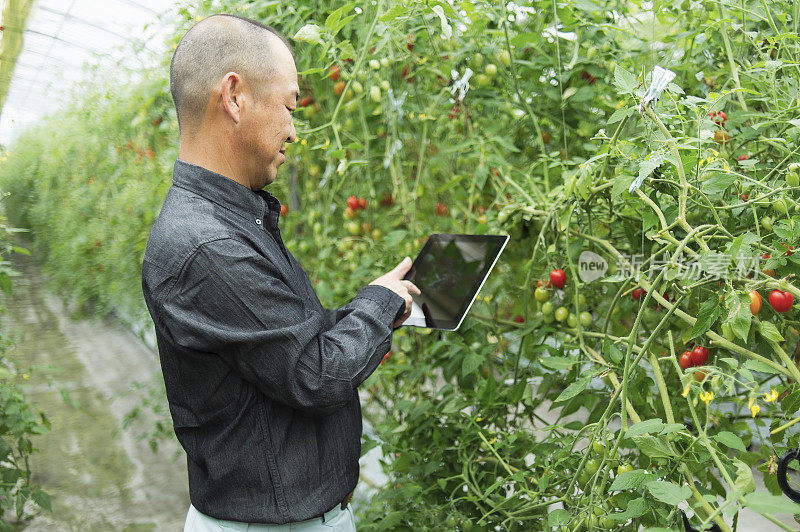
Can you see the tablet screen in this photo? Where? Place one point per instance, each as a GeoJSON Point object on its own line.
{"type": "Point", "coordinates": [449, 271]}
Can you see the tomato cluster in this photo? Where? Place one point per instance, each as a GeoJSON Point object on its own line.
{"type": "Point", "coordinates": [696, 357]}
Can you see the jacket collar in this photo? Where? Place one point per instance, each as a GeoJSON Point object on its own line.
{"type": "Point", "coordinates": [227, 193]}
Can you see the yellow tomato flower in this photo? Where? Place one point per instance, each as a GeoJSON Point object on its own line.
{"type": "Point", "coordinates": [706, 397]}
{"type": "Point", "coordinates": [771, 396]}
{"type": "Point", "coordinates": [411, 115]}
{"type": "Point", "coordinates": [303, 142]}
{"type": "Point", "coordinates": [492, 441]}
{"type": "Point", "coordinates": [422, 116]}
{"type": "Point", "coordinates": [25, 376]}
{"type": "Point", "coordinates": [686, 390]}
{"type": "Point", "coordinates": [479, 418]}
{"type": "Point", "coordinates": [754, 408]}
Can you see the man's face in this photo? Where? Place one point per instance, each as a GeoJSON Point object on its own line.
{"type": "Point", "coordinates": [268, 126]}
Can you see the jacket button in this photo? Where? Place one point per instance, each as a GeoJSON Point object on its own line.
{"type": "Point", "coordinates": [258, 221]}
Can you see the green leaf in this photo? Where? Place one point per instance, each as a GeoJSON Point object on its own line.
{"type": "Point", "coordinates": [668, 492]}
{"type": "Point", "coordinates": [744, 483]}
{"type": "Point", "coordinates": [653, 447]}
{"type": "Point", "coordinates": [611, 351]}
{"type": "Point", "coordinates": [709, 311]}
{"type": "Point", "coordinates": [471, 362]}
{"type": "Point", "coordinates": [42, 499]}
{"type": "Point", "coordinates": [624, 80]}
{"type": "Point", "coordinates": [557, 363]}
{"type": "Point", "coordinates": [731, 440]}
{"type": "Point", "coordinates": [718, 183]}
{"type": "Point", "coordinates": [635, 508]}
{"type": "Point", "coordinates": [757, 365]}
{"type": "Point", "coordinates": [770, 332]}
{"type": "Point", "coordinates": [631, 480]}
{"type": "Point", "coordinates": [764, 503]}
{"type": "Point", "coordinates": [647, 426]}
{"type": "Point", "coordinates": [396, 10]}
{"type": "Point", "coordinates": [573, 389]}
{"type": "Point", "coordinates": [739, 315]}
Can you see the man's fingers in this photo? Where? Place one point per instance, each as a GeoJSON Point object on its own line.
{"type": "Point", "coordinates": [401, 269]}
{"type": "Point", "coordinates": [411, 287]}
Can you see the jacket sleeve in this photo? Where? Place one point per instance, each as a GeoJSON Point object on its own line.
{"type": "Point", "coordinates": [231, 301]}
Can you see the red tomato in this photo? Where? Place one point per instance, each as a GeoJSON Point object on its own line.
{"type": "Point", "coordinates": [781, 301]}
{"type": "Point", "coordinates": [699, 355]}
{"type": "Point", "coordinates": [352, 202]}
{"type": "Point", "coordinates": [558, 278]}
{"type": "Point", "coordinates": [685, 361]}
{"type": "Point", "coordinates": [441, 209]}
{"type": "Point", "coordinates": [305, 101]}
{"type": "Point", "coordinates": [362, 203]}
{"type": "Point", "coordinates": [519, 319]}
{"type": "Point", "coordinates": [335, 72]}
{"type": "Point", "coordinates": [742, 158]}
{"type": "Point", "coordinates": [755, 302]}
{"type": "Point", "coordinates": [637, 294]}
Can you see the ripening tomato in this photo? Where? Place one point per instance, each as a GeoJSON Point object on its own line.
{"type": "Point", "coordinates": [362, 203]}
{"type": "Point", "coordinates": [441, 209]}
{"type": "Point", "coordinates": [699, 355]}
{"type": "Point", "coordinates": [338, 88]}
{"type": "Point", "coordinates": [781, 301]}
{"type": "Point", "coordinates": [699, 376]}
{"type": "Point", "coordinates": [721, 136]}
{"type": "Point", "coordinates": [558, 278]}
{"type": "Point", "coordinates": [755, 302]}
{"type": "Point", "coordinates": [305, 101]}
{"type": "Point", "coordinates": [685, 361]}
{"type": "Point", "coordinates": [637, 293]}
{"type": "Point", "coordinates": [334, 72]}
{"type": "Point", "coordinates": [284, 210]}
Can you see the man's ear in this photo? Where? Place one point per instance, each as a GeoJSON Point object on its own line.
{"type": "Point", "coordinates": [232, 95]}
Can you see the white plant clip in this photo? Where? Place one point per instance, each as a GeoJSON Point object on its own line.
{"type": "Point", "coordinates": [460, 85]}
{"type": "Point", "coordinates": [660, 79]}
{"type": "Point", "coordinates": [396, 104]}
{"type": "Point", "coordinates": [396, 145]}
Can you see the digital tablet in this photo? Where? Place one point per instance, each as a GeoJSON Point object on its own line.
{"type": "Point", "coordinates": [449, 271]}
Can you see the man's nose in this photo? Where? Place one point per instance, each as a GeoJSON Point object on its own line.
{"type": "Point", "coordinates": [292, 134]}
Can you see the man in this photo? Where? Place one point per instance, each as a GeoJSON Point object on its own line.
{"type": "Point", "coordinates": [261, 379]}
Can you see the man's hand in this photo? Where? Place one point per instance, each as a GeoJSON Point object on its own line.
{"type": "Point", "coordinates": [394, 282]}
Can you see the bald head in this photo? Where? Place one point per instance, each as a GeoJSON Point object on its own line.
{"type": "Point", "coordinates": [213, 47]}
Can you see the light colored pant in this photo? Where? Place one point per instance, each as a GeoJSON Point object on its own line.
{"type": "Point", "coordinates": [336, 519]}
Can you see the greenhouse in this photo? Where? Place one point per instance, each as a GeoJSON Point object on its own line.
{"type": "Point", "coordinates": [399, 266]}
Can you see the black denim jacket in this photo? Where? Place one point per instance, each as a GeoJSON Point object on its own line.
{"type": "Point", "coordinates": [261, 379]}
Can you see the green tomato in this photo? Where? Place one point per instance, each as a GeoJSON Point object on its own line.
{"type": "Point", "coordinates": [607, 523]}
{"type": "Point", "coordinates": [374, 64]}
{"type": "Point", "coordinates": [502, 216]}
{"type": "Point", "coordinates": [592, 465]}
{"type": "Point", "coordinates": [541, 294]}
{"type": "Point", "coordinates": [572, 320]}
{"type": "Point", "coordinates": [548, 318]}
{"type": "Point", "coordinates": [792, 179]}
{"type": "Point", "coordinates": [561, 314]}
{"type": "Point", "coordinates": [491, 70]}
{"type": "Point", "coordinates": [766, 223]}
{"type": "Point", "coordinates": [781, 206]}
{"type": "Point", "coordinates": [598, 447]}
{"type": "Point", "coordinates": [584, 477]}
{"type": "Point", "coordinates": [477, 61]}
{"type": "Point", "coordinates": [623, 468]}
{"type": "Point", "coordinates": [547, 307]}
{"type": "Point", "coordinates": [581, 300]}
{"type": "Point", "coordinates": [586, 318]}
{"type": "Point", "coordinates": [483, 80]}
{"type": "Point", "coordinates": [505, 57]}
{"type": "Point", "coordinates": [317, 228]}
